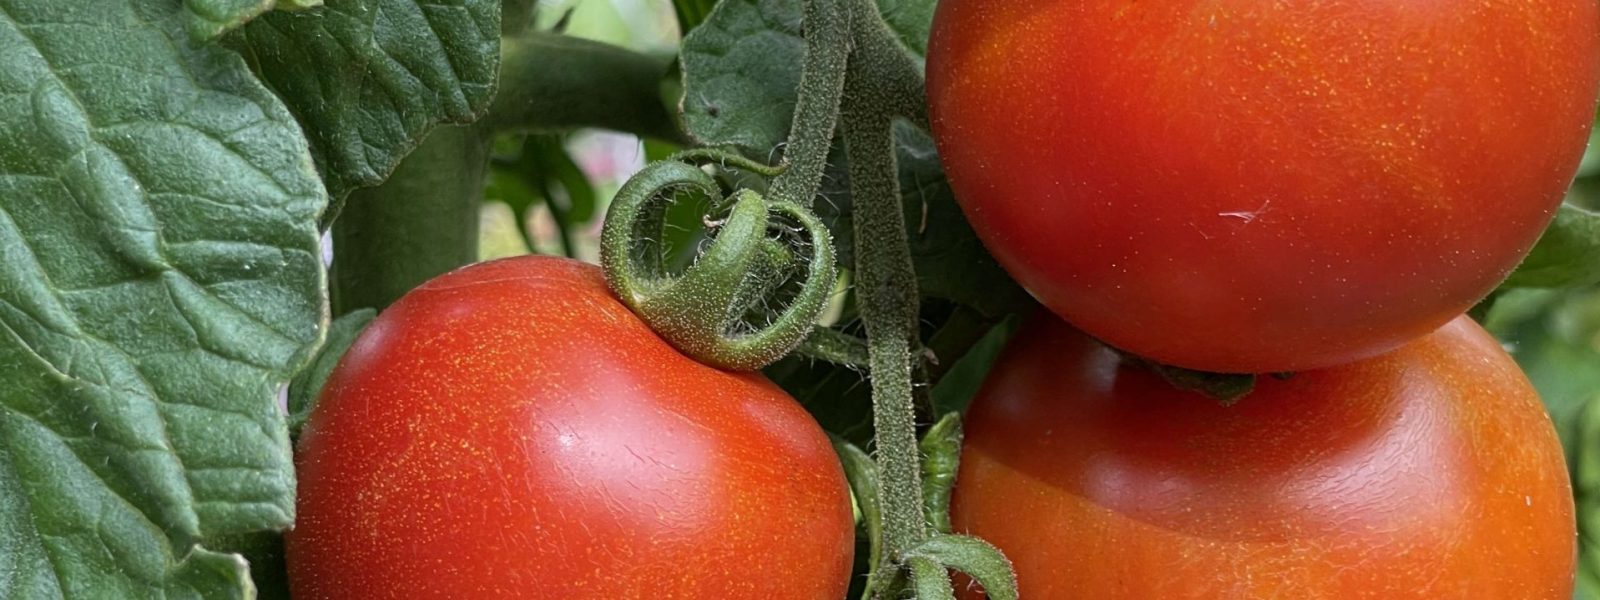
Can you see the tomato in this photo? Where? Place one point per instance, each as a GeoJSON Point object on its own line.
{"type": "Point", "coordinates": [1255, 185]}
{"type": "Point", "coordinates": [1430, 472]}
{"type": "Point", "coordinates": [511, 430]}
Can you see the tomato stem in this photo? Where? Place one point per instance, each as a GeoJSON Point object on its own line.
{"type": "Point", "coordinates": [887, 288]}
{"type": "Point", "coordinates": [883, 83]}
{"type": "Point", "coordinates": [816, 114]}
{"type": "Point", "coordinates": [420, 223]}
{"type": "Point", "coordinates": [547, 84]}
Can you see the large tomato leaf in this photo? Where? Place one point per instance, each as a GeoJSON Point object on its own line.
{"type": "Point", "coordinates": [740, 71]}
{"type": "Point", "coordinates": [742, 63]}
{"type": "Point", "coordinates": [159, 281]}
{"type": "Point", "coordinates": [211, 18]}
{"type": "Point", "coordinates": [368, 79]}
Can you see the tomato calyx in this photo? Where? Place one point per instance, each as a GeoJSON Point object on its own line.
{"type": "Point", "coordinates": [1226, 388]}
{"type": "Point", "coordinates": [701, 310]}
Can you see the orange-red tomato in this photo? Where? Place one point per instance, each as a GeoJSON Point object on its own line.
{"type": "Point", "coordinates": [1431, 472]}
{"type": "Point", "coordinates": [1256, 185]}
{"type": "Point", "coordinates": [511, 430]}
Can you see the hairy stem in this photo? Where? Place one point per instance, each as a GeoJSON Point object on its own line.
{"type": "Point", "coordinates": [548, 82]}
{"type": "Point", "coordinates": [817, 107]}
{"type": "Point", "coordinates": [887, 289]}
{"type": "Point", "coordinates": [836, 347]}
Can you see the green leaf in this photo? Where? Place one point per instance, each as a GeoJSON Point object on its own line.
{"type": "Point", "coordinates": [862, 474]}
{"type": "Point", "coordinates": [691, 13]}
{"type": "Point", "coordinates": [910, 20]}
{"type": "Point", "coordinates": [972, 556]}
{"type": "Point", "coordinates": [1566, 256]}
{"type": "Point", "coordinates": [211, 18]}
{"type": "Point", "coordinates": [264, 552]}
{"type": "Point", "coordinates": [742, 65]}
{"type": "Point", "coordinates": [941, 458]}
{"type": "Point", "coordinates": [962, 382]}
{"type": "Point", "coordinates": [160, 279]}
{"type": "Point", "coordinates": [368, 79]}
{"type": "Point", "coordinates": [305, 387]}
{"type": "Point", "coordinates": [740, 70]}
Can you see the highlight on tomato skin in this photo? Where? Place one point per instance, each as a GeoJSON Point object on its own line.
{"type": "Point", "coordinates": [1253, 186]}
{"type": "Point", "coordinates": [510, 430]}
{"type": "Point", "coordinates": [1429, 472]}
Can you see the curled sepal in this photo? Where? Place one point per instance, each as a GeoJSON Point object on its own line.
{"type": "Point", "coordinates": [701, 311]}
{"type": "Point", "coordinates": [970, 555]}
{"type": "Point", "coordinates": [930, 579]}
{"type": "Point", "coordinates": [941, 457]}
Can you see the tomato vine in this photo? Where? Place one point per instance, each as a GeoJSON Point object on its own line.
{"type": "Point", "coordinates": [857, 75]}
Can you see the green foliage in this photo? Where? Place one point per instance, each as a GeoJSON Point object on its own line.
{"type": "Point", "coordinates": [941, 458]}
{"type": "Point", "coordinates": [369, 78]}
{"type": "Point", "coordinates": [691, 13]}
{"type": "Point", "coordinates": [740, 72]}
{"type": "Point", "coordinates": [741, 68]}
{"type": "Point", "coordinates": [305, 387]}
{"type": "Point", "coordinates": [1566, 255]}
{"type": "Point", "coordinates": [910, 20]}
{"type": "Point", "coordinates": [211, 18]}
{"type": "Point", "coordinates": [159, 280]}
{"type": "Point", "coordinates": [536, 170]}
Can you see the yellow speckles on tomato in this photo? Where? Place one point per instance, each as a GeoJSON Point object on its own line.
{"type": "Point", "coordinates": [510, 430]}
{"type": "Point", "coordinates": [1430, 472]}
{"type": "Point", "coordinates": [1388, 136]}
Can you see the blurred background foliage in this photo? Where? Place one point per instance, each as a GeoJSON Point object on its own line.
{"type": "Point", "coordinates": [547, 193]}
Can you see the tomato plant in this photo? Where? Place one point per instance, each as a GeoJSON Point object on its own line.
{"type": "Point", "coordinates": [1254, 186]}
{"type": "Point", "coordinates": [205, 204]}
{"type": "Point", "coordinates": [1429, 472]}
{"type": "Point", "coordinates": [452, 454]}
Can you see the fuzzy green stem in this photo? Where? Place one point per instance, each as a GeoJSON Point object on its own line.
{"type": "Point", "coordinates": [420, 223]}
{"type": "Point", "coordinates": [887, 288]}
{"type": "Point", "coordinates": [817, 107]}
{"type": "Point", "coordinates": [548, 82]}
{"type": "Point", "coordinates": [835, 347]}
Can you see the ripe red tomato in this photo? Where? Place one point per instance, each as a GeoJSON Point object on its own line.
{"type": "Point", "coordinates": [1261, 186]}
{"type": "Point", "coordinates": [511, 430]}
{"type": "Point", "coordinates": [1429, 472]}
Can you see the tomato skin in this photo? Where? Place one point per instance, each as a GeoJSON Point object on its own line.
{"type": "Point", "coordinates": [511, 430]}
{"type": "Point", "coordinates": [1257, 186]}
{"type": "Point", "coordinates": [1430, 472]}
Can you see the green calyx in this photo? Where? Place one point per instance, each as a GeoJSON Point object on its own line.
{"type": "Point", "coordinates": [701, 311]}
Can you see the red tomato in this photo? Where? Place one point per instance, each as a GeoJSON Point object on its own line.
{"type": "Point", "coordinates": [510, 430]}
{"type": "Point", "coordinates": [1256, 185]}
{"type": "Point", "coordinates": [1431, 472]}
